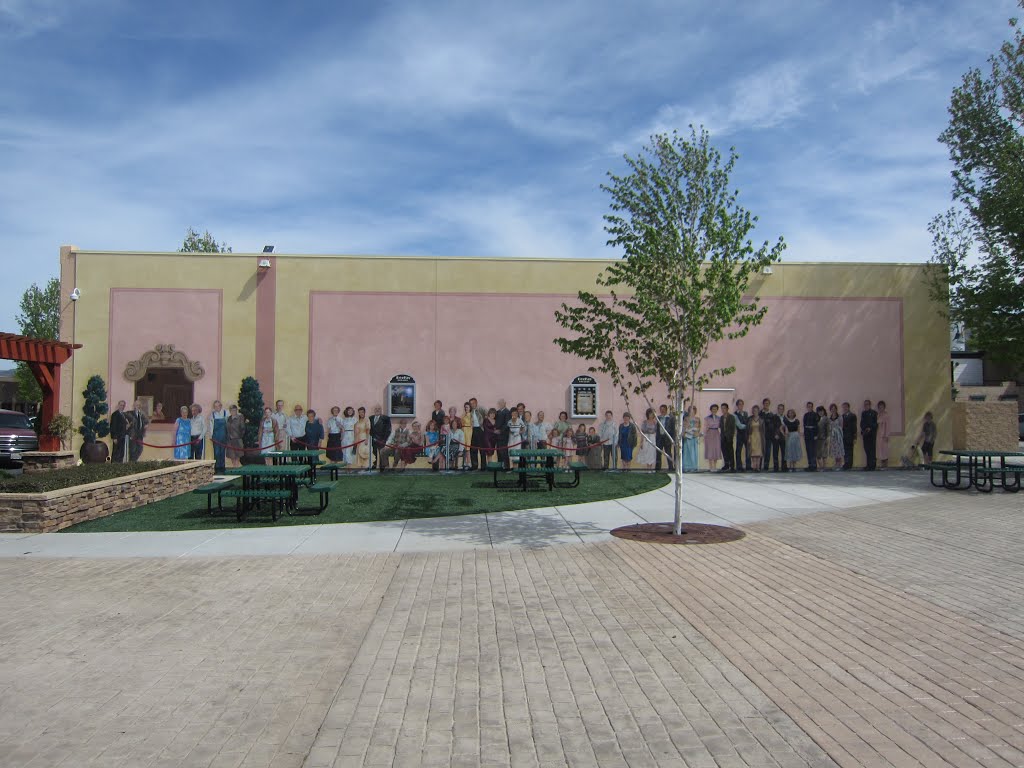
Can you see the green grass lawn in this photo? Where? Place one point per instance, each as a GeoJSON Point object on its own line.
{"type": "Point", "coordinates": [365, 498]}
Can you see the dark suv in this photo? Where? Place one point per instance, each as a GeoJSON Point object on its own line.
{"type": "Point", "coordinates": [16, 436]}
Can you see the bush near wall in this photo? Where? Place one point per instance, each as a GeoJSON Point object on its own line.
{"type": "Point", "coordinates": [72, 476]}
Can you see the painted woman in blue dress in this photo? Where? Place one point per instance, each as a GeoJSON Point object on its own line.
{"type": "Point", "coordinates": [183, 434]}
{"type": "Point", "coordinates": [691, 436]}
{"type": "Point", "coordinates": [627, 439]}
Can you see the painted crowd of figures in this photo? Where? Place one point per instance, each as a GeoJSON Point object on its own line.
{"type": "Point", "coordinates": [763, 439]}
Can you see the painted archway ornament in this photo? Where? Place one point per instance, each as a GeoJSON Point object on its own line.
{"type": "Point", "coordinates": [164, 356]}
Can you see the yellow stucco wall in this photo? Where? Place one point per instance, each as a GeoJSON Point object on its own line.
{"type": "Point", "coordinates": [925, 350]}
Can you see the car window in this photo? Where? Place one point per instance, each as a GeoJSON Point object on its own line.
{"type": "Point", "coordinates": [14, 421]}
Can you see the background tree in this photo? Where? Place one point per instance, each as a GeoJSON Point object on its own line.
{"type": "Point", "coordinates": [682, 283]}
{"type": "Point", "coordinates": [204, 243]}
{"type": "Point", "coordinates": [980, 241]}
{"type": "Point", "coordinates": [39, 318]}
{"type": "Point", "coordinates": [94, 410]}
{"type": "Point", "coordinates": [250, 403]}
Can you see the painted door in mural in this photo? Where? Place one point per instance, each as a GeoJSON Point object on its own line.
{"type": "Point", "coordinates": [175, 396]}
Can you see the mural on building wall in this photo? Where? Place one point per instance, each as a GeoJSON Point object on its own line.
{"type": "Point", "coordinates": [165, 344]}
{"type": "Point", "coordinates": [494, 346]}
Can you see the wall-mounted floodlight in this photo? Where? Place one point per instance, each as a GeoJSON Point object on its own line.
{"type": "Point", "coordinates": [766, 270]}
{"type": "Point", "coordinates": [268, 249]}
{"type": "Point", "coordinates": [264, 264]}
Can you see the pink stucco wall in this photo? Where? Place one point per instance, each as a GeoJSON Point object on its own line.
{"type": "Point", "coordinates": [142, 318]}
{"type": "Point", "coordinates": [491, 346]}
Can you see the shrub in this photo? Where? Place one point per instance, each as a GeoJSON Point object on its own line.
{"type": "Point", "coordinates": [54, 480]}
{"type": "Point", "coordinates": [94, 423]}
{"type": "Point", "coordinates": [61, 427]}
{"type": "Point", "coordinates": [250, 403]}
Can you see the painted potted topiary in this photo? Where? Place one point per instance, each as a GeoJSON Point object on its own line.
{"type": "Point", "coordinates": [250, 403]}
{"type": "Point", "coordinates": [94, 422]}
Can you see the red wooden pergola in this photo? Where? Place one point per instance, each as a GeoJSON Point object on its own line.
{"type": "Point", "coordinates": [44, 359]}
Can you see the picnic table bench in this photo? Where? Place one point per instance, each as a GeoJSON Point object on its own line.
{"type": "Point", "coordinates": [988, 475]}
{"type": "Point", "coordinates": [324, 488]}
{"type": "Point", "coordinates": [538, 463]}
{"type": "Point", "coordinates": [331, 468]}
{"type": "Point", "coordinates": [209, 489]}
{"type": "Point", "coordinates": [310, 458]}
{"type": "Point", "coordinates": [978, 469]}
{"type": "Point", "coordinates": [246, 500]}
{"type": "Point", "coordinates": [277, 484]}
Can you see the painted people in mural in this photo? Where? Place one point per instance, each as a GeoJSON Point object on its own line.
{"type": "Point", "coordinates": [773, 439]}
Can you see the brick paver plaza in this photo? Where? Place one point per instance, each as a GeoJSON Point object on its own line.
{"type": "Point", "coordinates": [884, 632]}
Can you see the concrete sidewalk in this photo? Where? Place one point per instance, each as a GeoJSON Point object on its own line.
{"type": "Point", "coordinates": [864, 621]}
{"type": "Point", "coordinates": [722, 499]}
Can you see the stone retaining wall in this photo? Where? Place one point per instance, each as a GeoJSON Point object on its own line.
{"type": "Point", "coordinates": [54, 510]}
{"type": "Point", "coordinates": [46, 461]}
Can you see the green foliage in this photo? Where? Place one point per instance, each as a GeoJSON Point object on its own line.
{"type": "Point", "coordinates": [61, 427]}
{"type": "Point", "coordinates": [94, 410]}
{"type": "Point", "coordinates": [55, 480]}
{"type": "Point", "coordinates": [978, 245]}
{"type": "Point", "coordinates": [204, 243]}
{"type": "Point", "coordinates": [39, 318]}
{"type": "Point", "coordinates": [250, 403]}
{"type": "Point", "coordinates": [682, 284]}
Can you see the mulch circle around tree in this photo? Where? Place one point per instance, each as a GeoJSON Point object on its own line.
{"type": "Point", "coordinates": [693, 533]}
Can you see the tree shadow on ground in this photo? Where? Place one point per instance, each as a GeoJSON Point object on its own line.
{"type": "Point", "coordinates": [524, 529]}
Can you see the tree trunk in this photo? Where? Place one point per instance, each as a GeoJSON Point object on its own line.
{"type": "Point", "coordinates": [677, 454]}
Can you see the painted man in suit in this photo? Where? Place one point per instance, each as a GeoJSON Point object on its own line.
{"type": "Point", "coordinates": [119, 433]}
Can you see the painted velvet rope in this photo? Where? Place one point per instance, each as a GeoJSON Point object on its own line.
{"type": "Point", "coordinates": [516, 446]}
{"type": "Point", "coordinates": [200, 439]}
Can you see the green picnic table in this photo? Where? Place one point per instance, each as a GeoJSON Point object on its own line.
{"type": "Point", "coordinates": [981, 471]}
{"type": "Point", "coordinates": [309, 458]}
{"type": "Point", "coordinates": [277, 484]}
{"type": "Point", "coordinates": [540, 462]}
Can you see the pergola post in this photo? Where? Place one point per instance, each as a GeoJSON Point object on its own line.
{"type": "Point", "coordinates": [48, 377]}
{"type": "Point", "coordinates": [44, 359]}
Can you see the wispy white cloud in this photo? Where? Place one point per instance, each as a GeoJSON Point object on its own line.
{"type": "Point", "coordinates": [756, 101]}
{"type": "Point", "coordinates": [463, 128]}
{"type": "Point", "coordinates": [24, 18]}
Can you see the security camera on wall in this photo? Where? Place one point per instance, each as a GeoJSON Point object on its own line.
{"type": "Point", "coordinates": [76, 294]}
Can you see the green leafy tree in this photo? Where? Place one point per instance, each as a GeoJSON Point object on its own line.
{"type": "Point", "coordinates": [682, 284]}
{"type": "Point", "coordinates": [94, 410]}
{"type": "Point", "coordinates": [250, 403]}
{"type": "Point", "coordinates": [39, 317]}
{"type": "Point", "coordinates": [204, 243]}
{"type": "Point", "coordinates": [979, 243]}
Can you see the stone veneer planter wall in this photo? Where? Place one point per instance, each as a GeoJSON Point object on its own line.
{"type": "Point", "coordinates": [985, 426]}
{"type": "Point", "coordinates": [54, 510]}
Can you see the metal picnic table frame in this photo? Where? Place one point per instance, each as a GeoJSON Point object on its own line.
{"type": "Point", "coordinates": [310, 458]}
{"type": "Point", "coordinates": [980, 471]}
{"type": "Point", "coordinates": [285, 476]}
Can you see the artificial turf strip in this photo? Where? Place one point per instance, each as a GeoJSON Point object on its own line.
{"type": "Point", "coordinates": [366, 498]}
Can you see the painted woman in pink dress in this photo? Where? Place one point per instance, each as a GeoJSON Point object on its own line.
{"type": "Point", "coordinates": [712, 438]}
{"type": "Point", "coordinates": [883, 435]}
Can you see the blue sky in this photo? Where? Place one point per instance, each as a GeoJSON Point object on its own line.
{"type": "Point", "coordinates": [465, 128]}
